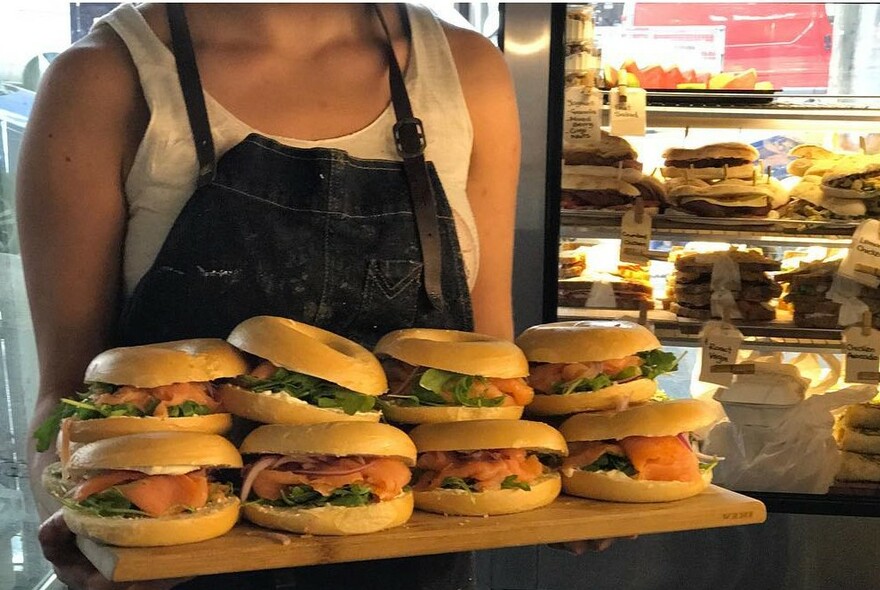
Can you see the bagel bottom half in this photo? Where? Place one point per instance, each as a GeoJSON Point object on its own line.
{"type": "Point", "coordinates": [618, 487]}
{"type": "Point", "coordinates": [201, 525]}
{"type": "Point", "coordinates": [462, 503]}
{"type": "Point", "coordinates": [607, 398]}
{"type": "Point", "coordinates": [334, 520]}
{"type": "Point", "coordinates": [280, 408]}
{"type": "Point", "coordinates": [86, 431]}
{"type": "Point", "coordinates": [434, 414]}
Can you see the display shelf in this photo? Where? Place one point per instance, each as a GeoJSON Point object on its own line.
{"type": "Point", "coordinates": [248, 548]}
{"type": "Point", "coordinates": [675, 331]}
{"type": "Point", "coordinates": [678, 228]}
{"type": "Point", "coordinates": [746, 111]}
{"type": "Point", "coordinates": [823, 504]}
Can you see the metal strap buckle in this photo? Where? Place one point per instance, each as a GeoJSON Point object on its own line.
{"type": "Point", "coordinates": [409, 135]}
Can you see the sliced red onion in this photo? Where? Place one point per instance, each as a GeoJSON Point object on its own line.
{"type": "Point", "coordinates": [685, 440]}
{"type": "Point", "coordinates": [708, 458]}
{"type": "Point", "coordinates": [311, 471]}
{"type": "Point", "coordinates": [261, 464]}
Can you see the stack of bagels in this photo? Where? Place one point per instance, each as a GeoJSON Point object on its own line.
{"type": "Point", "coordinates": [145, 463]}
{"type": "Point", "coordinates": [466, 393]}
{"type": "Point", "coordinates": [597, 378]}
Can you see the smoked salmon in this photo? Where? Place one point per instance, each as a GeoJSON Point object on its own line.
{"type": "Point", "coordinates": [661, 458]}
{"type": "Point", "coordinates": [157, 495]}
{"type": "Point", "coordinates": [488, 469]}
{"type": "Point", "coordinates": [547, 377]}
{"type": "Point", "coordinates": [385, 477]}
{"type": "Point", "coordinates": [101, 482]}
{"type": "Point", "coordinates": [167, 395]}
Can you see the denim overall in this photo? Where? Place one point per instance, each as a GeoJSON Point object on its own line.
{"type": "Point", "coordinates": [314, 235]}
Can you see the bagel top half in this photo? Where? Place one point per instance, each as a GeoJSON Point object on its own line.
{"type": "Point", "coordinates": [313, 351]}
{"type": "Point", "coordinates": [466, 353]}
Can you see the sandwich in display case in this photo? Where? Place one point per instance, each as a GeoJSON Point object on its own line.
{"type": "Point", "coordinates": [732, 205]}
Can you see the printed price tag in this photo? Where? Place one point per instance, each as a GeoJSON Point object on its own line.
{"type": "Point", "coordinates": [720, 344]}
{"type": "Point", "coordinates": [635, 236]}
{"type": "Point", "coordinates": [741, 369]}
{"type": "Point", "coordinates": [862, 262]}
{"type": "Point", "coordinates": [862, 360]}
{"type": "Point", "coordinates": [583, 116]}
{"type": "Point", "coordinates": [628, 111]}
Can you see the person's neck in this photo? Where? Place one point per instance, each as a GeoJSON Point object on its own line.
{"type": "Point", "coordinates": [282, 24]}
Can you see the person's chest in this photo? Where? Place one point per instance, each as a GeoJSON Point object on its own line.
{"type": "Point", "coordinates": [316, 96]}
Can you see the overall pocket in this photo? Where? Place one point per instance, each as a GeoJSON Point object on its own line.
{"type": "Point", "coordinates": [390, 297]}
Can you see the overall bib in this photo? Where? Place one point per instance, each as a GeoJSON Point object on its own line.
{"type": "Point", "coordinates": [358, 247]}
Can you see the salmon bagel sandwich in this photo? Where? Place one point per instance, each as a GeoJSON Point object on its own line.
{"type": "Point", "coordinates": [592, 365]}
{"type": "Point", "coordinates": [486, 467]}
{"type": "Point", "coordinates": [302, 375]}
{"type": "Point", "coordinates": [148, 490]}
{"type": "Point", "coordinates": [336, 478]}
{"type": "Point", "coordinates": [641, 454]}
{"type": "Point", "coordinates": [447, 375]}
{"type": "Point", "coordinates": [150, 388]}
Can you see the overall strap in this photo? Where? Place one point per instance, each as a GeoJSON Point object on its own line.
{"type": "Point", "coordinates": [191, 86]}
{"type": "Point", "coordinates": [409, 137]}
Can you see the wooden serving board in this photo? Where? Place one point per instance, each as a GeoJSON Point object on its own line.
{"type": "Point", "coordinates": [248, 547]}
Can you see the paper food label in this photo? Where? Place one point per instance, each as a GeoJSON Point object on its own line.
{"type": "Point", "coordinates": [720, 343]}
{"type": "Point", "coordinates": [602, 296]}
{"type": "Point", "coordinates": [862, 361]}
{"type": "Point", "coordinates": [635, 237]}
{"type": "Point", "coordinates": [628, 111]}
{"type": "Point", "coordinates": [862, 262]}
{"type": "Point", "coordinates": [725, 280]}
{"type": "Point", "coordinates": [583, 116]}
{"type": "Point", "coordinates": [846, 292]}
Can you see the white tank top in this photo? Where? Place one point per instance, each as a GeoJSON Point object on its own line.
{"type": "Point", "coordinates": [163, 174]}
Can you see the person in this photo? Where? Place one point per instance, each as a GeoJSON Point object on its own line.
{"type": "Point", "coordinates": [169, 188]}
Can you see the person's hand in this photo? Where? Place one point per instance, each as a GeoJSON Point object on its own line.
{"type": "Point", "coordinates": [77, 572]}
{"type": "Point", "coordinates": [581, 547]}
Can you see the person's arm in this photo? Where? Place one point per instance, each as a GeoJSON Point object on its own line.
{"type": "Point", "coordinates": [493, 175]}
{"type": "Point", "coordinates": [71, 215]}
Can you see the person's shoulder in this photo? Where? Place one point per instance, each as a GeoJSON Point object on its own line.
{"type": "Point", "coordinates": [478, 61]}
{"type": "Point", "coordinates": [98, 68]}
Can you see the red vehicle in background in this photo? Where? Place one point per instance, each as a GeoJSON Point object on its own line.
{"type": "Point", "coordinates": [788, 44]}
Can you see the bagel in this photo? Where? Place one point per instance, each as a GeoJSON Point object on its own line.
{"type": "Point", "coordinates": [160, 461]}
{"type": "Point", "coordinates": [346, 477]}
{"type": "Point", "coordinates": [447, 375]}
{"type": "Point", "coordinates": [162, 387]}
{"type": "Point", "coordinates": [586, 366]}
{"type": "Point", "coordinates": [447, 450]}
{"type": "Point", "coordinates": [637, 454]}
{"type": "Point", "coordinates": [306, 349]}
{"type": "Point", "coordinates": [307, 375]}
